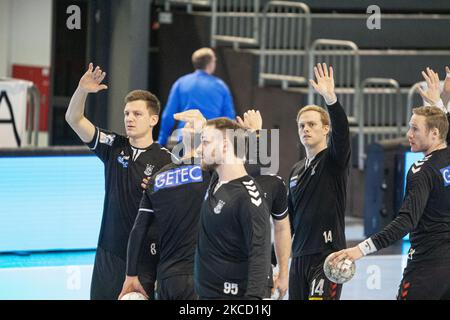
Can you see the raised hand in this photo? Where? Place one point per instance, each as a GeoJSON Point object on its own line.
{"type": "Point", "coordinates": [433, 93]}
{"type": "Point", "coordinates": [193, 116]}
{"type": "Point", "coordinates": [252, 120]}
{"type": "Point", "coordinates": [324, 84]}
{"type": "Point", "coordinates": [91, 81]}
{"type": "Point", "coordinates": [447, 81]}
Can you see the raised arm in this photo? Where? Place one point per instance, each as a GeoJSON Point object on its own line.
{"type": "Point", "coordinates": [432, 94]}
{"type": "Point", "coordinates": [445, 94]}
{"type": "Point", "coordinates": [90, 82]}
{"type": "Point", "coordinates": [340, 131]}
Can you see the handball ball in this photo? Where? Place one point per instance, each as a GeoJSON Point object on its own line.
{"type": "Point", "coordinates": [134, 296]}
{"type": "Point", "coordinates": [342, 272]}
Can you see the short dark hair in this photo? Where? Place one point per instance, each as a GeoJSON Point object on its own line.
{"type": "Point", "coordinates": [239, 134]}
{"type": "Point", "coordinates": [435, 118]}
{"type": "Point", "coordinates": [153, 104]}
{"type": "Point", "coordinates": [201, 58]}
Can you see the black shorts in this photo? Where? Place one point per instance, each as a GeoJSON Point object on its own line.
{"type": "Point", "coordinates": [307, 280]}
{"type": "Point", "coordinates": [176, 288]}
{"type": "Point", "coordinates": [425, 281]}
{"type": "Point", "coordinates": [109, 274]}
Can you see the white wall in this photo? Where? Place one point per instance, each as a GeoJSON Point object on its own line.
{"type": "Point", "coordinates": [31, 26]}
{"type": "Point", "coordinates": [25, 33]}
{"type": "Point", "coordinates": [5, 7]}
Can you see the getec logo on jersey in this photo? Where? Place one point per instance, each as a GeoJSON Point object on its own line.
{"type": "Point", "coordinates": [178, 176]}
{"type": "Point", "coordinates": [446, 175]}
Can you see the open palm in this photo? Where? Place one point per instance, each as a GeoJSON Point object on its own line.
{"type": "Point", "coordinates": [91, 81]}
{"type": "Point", "coordinates": [324, 84]}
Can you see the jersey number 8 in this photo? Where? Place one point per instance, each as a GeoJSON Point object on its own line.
{"type": "Point", "coordinates": [153, 249]}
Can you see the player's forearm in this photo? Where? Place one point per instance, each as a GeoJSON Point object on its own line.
{"type": "Point", "coordinates": [340, 133]}
{"type": "Point", "coordinates": [259, 257]}
{"type": "Point", "coordinates": [283, 244]}
{"type": "Point", "coordinates": [136, 242]}
{"type": "Point", "coordinates": [75, 111]}
{"type": "Point", "coordinates": [395, 231]}
{"type": "Point", "coordinates": [259, 262]}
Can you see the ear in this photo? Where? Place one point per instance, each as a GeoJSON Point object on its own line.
{"type": "Point", "coordinates": [327, 129]}
{"type": "Point", "coordinates": [154, 120]}
{"type": "Point", "coordinates": [435, 132]}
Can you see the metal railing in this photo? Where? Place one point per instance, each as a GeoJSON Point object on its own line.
{"type": "Point", "coordinates": [34, 113]}
{"type": "Point", "coordinates": [235, 21]}
{"type": "Point", "coordinates": [285, 37]}
{"type": "Point", "coordinates": [380, 115]}
{"type": "Point", "coordinates": [189, 4]}
{"type": "Point", "coordinates": [344, 57]}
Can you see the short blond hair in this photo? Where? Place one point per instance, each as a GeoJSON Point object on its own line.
{"type": "Point", "coordinates": [324, 116]}
{"type": "Point", "coordinates": [202, 57]}
{"type": "Point", "coordinates": [434, 118]}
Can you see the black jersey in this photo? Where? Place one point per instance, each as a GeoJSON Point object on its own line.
{"type": "Point", "coordinates": [233, 251]}
{"type": "Point", "coordinates": [125, 167]}
{"type": "Point", "coordinates": [275, 193]}
{"type": "Point", "coordinates": [426, 208]}
{"type": "Point", "coordinates": [173, 199]}
{"type": "Point", "coordinates": [317, 192]}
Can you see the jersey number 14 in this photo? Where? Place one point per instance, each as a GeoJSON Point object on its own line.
{"type": "Point", "coordinates": [328, 236]}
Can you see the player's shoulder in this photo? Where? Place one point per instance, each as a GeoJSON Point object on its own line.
{"type": "Point", "coordinates": [106, 138]}
{"type": "Point", "coordinates": [297, 167]}
{"type": "Point", "coordinates": [422, 167]}
{"type": "Point", "coordinates": [163, 152]}
{"type": "Point", "coordinates": [269, 179]}
{"type": "Point", "coordinates": [249, 191]}
{"type": "Point", "coordinates": [219, 82]}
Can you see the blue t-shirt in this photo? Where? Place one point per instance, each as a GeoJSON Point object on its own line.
{"type": "Point", "coordinates": [197, 90]}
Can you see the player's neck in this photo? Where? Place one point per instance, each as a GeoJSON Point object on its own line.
{"type": "Point", "coordinates": [228, 172]}
{"type": "Point", "coordinates": [311, 152]}
{"type": "Point", "coordinates": [143, 141]}
{"type": "Point", "coordinates": [438, 146]}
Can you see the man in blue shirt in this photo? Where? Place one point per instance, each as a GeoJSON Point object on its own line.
{"type": "Point", "coordinates": [198, 90]}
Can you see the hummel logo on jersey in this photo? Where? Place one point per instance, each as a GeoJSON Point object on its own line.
{"type": "Point", "coordinates": [418, 164]}
{"type": "Point", "coordinates": [219, 207]}
{"type": "Point", "coordinates": [107, 139]}
{"type": "Point", "coordinates": [149, 170]}
{"type": "Point", "coordinates": [446, 175]}
{"type": "Point", "coordinates": [252, 190]}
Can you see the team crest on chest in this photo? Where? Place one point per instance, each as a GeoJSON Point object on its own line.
{"type": "Point", "coordinates": [149, 169]}
{"type": "Point", "coordinates": [219, 207]}
{"type": "Point", "coordinates": [123, 159]}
